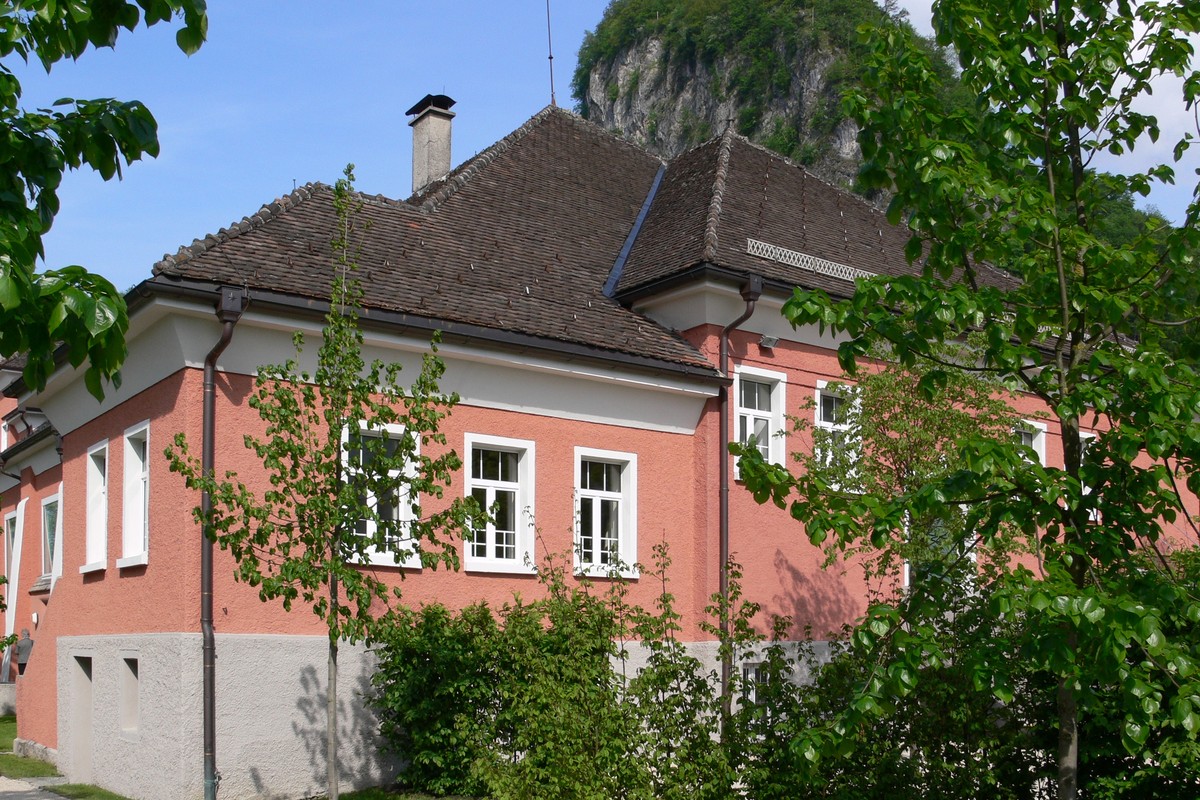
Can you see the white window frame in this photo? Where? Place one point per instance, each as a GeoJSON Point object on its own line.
{"type": "Point", "coordinates": [96, 542]}
{"type": "Point", "coordinates": [1086, 438]}
{"type": "Point", "coordinates": [523, 562]}
{"type": "Point", "coordinates": [411, 559]}
{"type": "Point", "coordinates": [135, 509]}
{"type": "Point", "coordinates": [13, 545]}
{"type": "Point", "coordinates": [776, 444]}
{"type": "Point", "coordinates": [51, 563]}
{"type": "Point", "coordinates": [846, 395]}
{"type": "Point", "coordinates": [626, 515]}
{"type": "Point", "coordinates": [752, 678]}
{"type": "Point", "coordinates": [1037, 431]}
{"type": "Point", "coordinates": [971, 548]}
{"type": "Point", "coordinates": [12, 532]}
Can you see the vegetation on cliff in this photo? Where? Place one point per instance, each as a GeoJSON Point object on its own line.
{"type": "Point", "coordinates": [762, 42]}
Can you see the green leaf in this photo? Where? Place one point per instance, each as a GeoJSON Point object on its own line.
{"type": "Point", "coordinates": [913, 250]}
{"type": "Point", "coordinates": [10, 295]}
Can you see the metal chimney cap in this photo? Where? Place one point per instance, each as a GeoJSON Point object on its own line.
{"type": "Point", "coordinates": [438, 101]}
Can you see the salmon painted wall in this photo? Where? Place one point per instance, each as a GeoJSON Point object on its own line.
{"type": "Point", "coordinates": [666, 502]}
{"type": "Point", "coordinates": [36, 688]}
{"type": "Point", "coordinates": [155, 597]}
{"type": "Point", "coordinates": [163, 595]}
{"type": "Point", "coordinates": [781, 570]}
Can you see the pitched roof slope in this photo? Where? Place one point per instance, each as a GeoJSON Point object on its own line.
{"type": "Point", "coordinates": [717, 197]}
{"type": "Point", "coordinates": [520, 239]}
{"type": "Point", "coordinates": [672, 237]}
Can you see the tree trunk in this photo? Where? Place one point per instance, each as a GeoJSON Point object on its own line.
{"type": "Point", "coordinates": [1066, 701]}
{"type": "Point", "coordinates": [331, 737]}
{"type": "Point", "coordinates": [1068, 738]}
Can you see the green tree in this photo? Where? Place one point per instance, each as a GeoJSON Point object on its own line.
{"type": "Point", "coordinates": [70, 307]}
{"type": "Point", "coordinates": [537, 699]}
{"type": "Point", "coordinates": [1083, 332]}
{"type": "Point", "coordinates": [882, 439]}
{"type": "Point", "coordinates": [346, 453]}
{"type": "Point", "coordinates": [886, 440]}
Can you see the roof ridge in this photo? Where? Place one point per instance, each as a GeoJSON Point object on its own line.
{"type": "Point", "coordinates": [269, 211]}
{"type": "Point", "coordinates": [461, 176]}
{"type": "Point", "coordinates": [718, 193]}
{"type": "Point", "coordinates": [473, 166]}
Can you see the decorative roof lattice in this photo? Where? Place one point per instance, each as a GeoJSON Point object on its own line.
{"type": "Point", "coordinates": [804, 261]}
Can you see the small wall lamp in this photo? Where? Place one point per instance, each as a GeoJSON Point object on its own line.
{"type": "Point", "coordinates": [768, 342]}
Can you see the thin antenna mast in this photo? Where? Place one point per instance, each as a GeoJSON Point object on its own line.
{"type": "Point", "coordinates": [550, 49]}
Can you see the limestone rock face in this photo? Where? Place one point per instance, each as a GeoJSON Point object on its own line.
{"type": "Point", "coordinates": [669, 105]}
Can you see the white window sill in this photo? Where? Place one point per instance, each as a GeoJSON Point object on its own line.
{"type": "Point", "coordinates": [506, 567]}
{"type": "Point", "coordinates": [135, 560]}
{"type": "Point", "coordinates": [602, 571]}
{"type": "Point", "coordinates": [387, 561]}
{"type": "Point", "coordinates": [95, 566]}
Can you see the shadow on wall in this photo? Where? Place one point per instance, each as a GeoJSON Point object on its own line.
{"type": "Point", "coordinates": [818, 599]}
{"type": "Point", "coordinates": [362, 762]}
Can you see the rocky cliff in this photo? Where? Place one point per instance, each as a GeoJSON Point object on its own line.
{"type": "Point", "coordinates": [669, 74]}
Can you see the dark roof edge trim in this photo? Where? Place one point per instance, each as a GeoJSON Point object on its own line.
{"type": "Point", "coordinates": [41, 432]}
{"type": "Point", "coordinates": [610, 286]}
{"type": "Point", "coordinates": [701, 271]}
{"type": "Point", "coordinates": [316, 308]}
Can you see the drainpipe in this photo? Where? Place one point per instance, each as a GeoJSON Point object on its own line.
{"type": "Point", "coordinates": [751, 291]}
{"type": "Point", "coordinates": [229, 311]}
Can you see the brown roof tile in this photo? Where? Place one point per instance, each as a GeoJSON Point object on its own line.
{"type": "Point", "coordinates": [520, 239]}
{"type": "Point", "coordinates": [717, 196]}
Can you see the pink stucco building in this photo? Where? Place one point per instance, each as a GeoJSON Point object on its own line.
{"type": "Point", "coordinates": [582, 287]}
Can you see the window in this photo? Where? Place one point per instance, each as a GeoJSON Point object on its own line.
{"type": "Point", "coordinates": [10, 546]}
{"type": "Point", "coordinates": [135, 527]}
{"type": "Point", "coordinates": [1086, 440]}
{"type": "Point", "coordinates": [500, 478]}
{"type": "Point", "coordinates": [51, 529]}
{"type": "Point", "coordinates": [1032, 435]}
{"type": "Point", "coordinates": [754, 676]}
{"type": "Point", "coordinates": [833, 406]}
{"type": "Point", "coordinates": [605, 512]}
{"type": "Point", "coordinates": [942, 551]}
{"type": "Point", "coordinates": [96, 542]}
{"type": "Point", "coordinates": [14, 536]}
{"type": "Point", "coordinates": [128, 690]}
{"type": "Point", "coordinates": [391, 506]}
{"type": "Point", "coordinates": [759, 410]}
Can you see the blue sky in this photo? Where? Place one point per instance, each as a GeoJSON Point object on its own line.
{"type": "Point", "coordinates": [293, 91]}
{"type": "Point", "coordinates": [290, 92]}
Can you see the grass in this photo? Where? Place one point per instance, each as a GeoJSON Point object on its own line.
{"type": "Point", "coordinates": [16, 767]}
{"type": "Point", "coordinates": [8, 731]}
{"type": "Point", "coordinates": [85, 792]}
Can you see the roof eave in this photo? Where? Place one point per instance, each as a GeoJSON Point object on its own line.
{"type": "Point", "coordinates": [698, 273]}
{"type": "Point", "coordinates": [39, 434]}
{"type": "Point", "coordinates": [459, 332]}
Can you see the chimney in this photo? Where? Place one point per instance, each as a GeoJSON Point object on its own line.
{"type": "Point", "coordinates": [431, 139]}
